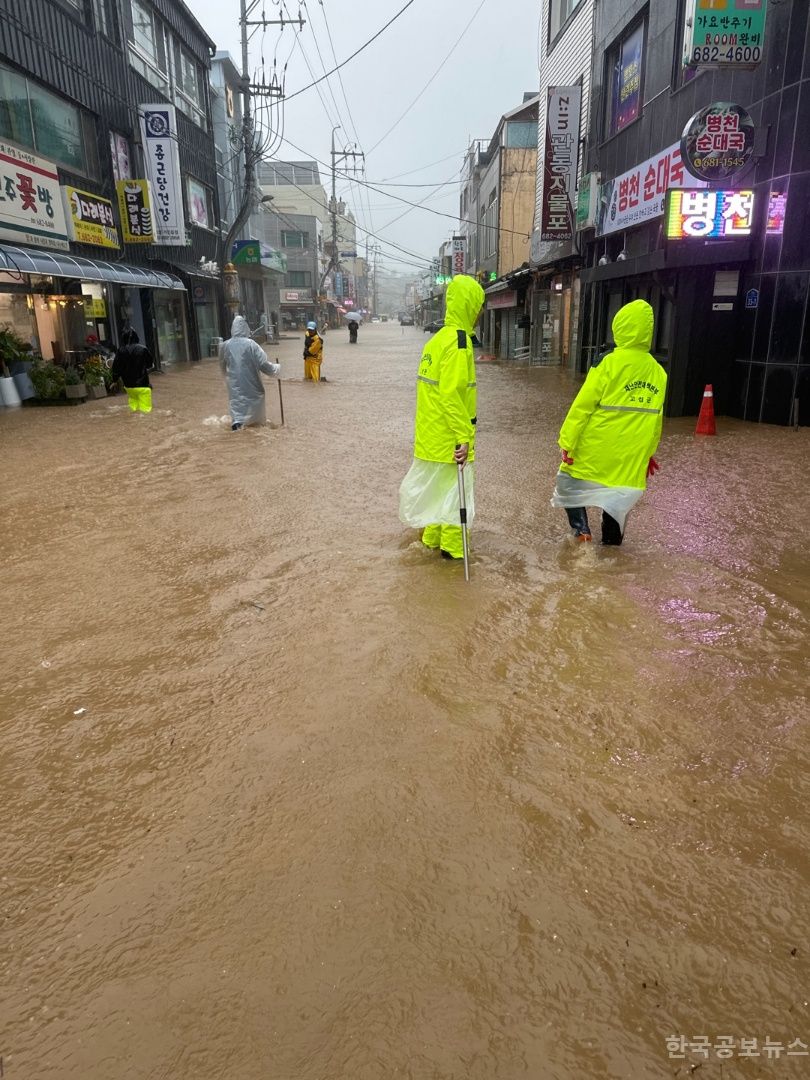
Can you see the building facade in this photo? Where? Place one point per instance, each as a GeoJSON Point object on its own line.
{"type": "Point", "coordinates": [730, 302]}
{"type": "Point", "coordinates": [566, 49]}
{"type": "Point", "coordinates": [84, 84]}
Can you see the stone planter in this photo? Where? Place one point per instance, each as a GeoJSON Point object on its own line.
{"type": "Point", "coordinates": [76, 391]}
{"type": "Point", "coordinates": [97, 391]}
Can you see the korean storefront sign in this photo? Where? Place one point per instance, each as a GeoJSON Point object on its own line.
{"type": "Point", "coordinates": [506, 299]}
{"type": "Point", "coordinates": [586, 201]}
{"type": "Point", "coordinates": [459, 254]}
{"type": "Point", "coordinates": [710, 215]}
{"type": "Point", "coordinates": [560, 163]}
{"type": "Point", "coordinates": [718, 141]}
{"type": "Point", "coordinates": [639, 195]}
{"type": "Point", "coordinates": [724, 33]}
{"type": "Point", "coordinates": [159, 135]}
{"type": "Point", "coordinates": [90, 219]}
{"type": "Point", "coordinates": [31, 210]}
{"type": "Point", "coordinates": [135, 207]}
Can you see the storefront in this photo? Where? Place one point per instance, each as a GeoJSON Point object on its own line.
{"type": "Point", "coordinates": [297, 307]}
{"type": "Point", "coordinates": [506, 321]}
{"type": "Point", "coordinates": [57, 301]}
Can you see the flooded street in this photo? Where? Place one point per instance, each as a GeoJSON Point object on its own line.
{"type": "Point", "coordinates": [284, 799]}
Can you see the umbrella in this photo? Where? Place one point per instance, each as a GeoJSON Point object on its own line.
{"type": "Point", "coordinates": [353, 316]}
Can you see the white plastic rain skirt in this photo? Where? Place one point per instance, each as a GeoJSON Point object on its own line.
{"type": "Point", "coordinates": [429, 494]}
{"type": "Point", "coordinates": [570, 493]}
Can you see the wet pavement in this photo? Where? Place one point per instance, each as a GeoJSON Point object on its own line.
{"type": "Point", "coordinates": [284, 799]}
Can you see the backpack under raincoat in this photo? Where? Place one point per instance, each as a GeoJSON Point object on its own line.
{"type": "Point", "coordinates": [614, 424]}
{"type": "Point", "coordinates": [445, 414]}
{"type": "Point", "coordinates": [241, 360]}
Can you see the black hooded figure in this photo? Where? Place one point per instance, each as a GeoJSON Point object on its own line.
{"type": "Point", "coordinates": [132, 361]}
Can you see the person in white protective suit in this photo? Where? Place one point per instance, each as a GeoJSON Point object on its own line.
{"type": "Point", "coordinates": [242, 360]}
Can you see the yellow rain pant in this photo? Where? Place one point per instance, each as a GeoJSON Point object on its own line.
{"type": "Point", "coordinates": [140, 398]}
{"type": "Point", "coordinates": [446, 537]}
{"type": "Point", "coordinates": [312, 370]}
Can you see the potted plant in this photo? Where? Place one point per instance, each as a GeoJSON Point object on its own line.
{"type": "Point", "coordinates": [9, 354]}
{"type": "Point", "coordinates": [49, 381]}
{"type": "Point", "coordinates": [94, 376]}
{"type": "Point", "coordinates": [75, 389]}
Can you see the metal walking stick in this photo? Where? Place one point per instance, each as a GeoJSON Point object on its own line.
{"type": "Point", "coordinates": [462, 510]}
{"type": "Point", "coordinates": [280, 401]}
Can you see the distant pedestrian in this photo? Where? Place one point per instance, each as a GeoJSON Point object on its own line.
{"type": "Point", "coordinates": [241, 360]}
{"type": "Point", "coordinates": [612, 430]}
{"type": "Point", "coordinates": [444, 435]}
{"type": "Point", "coordinates": [131, 365]}
{"type": "Point", "coordinates": [313, 353]}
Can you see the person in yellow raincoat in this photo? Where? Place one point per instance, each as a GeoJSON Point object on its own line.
{"type": "Point", "coordinates": [612, 430]}
{"type": "Point", "coordinates": [313, 353]}
{"type": "Point", "coordinates": [445, 425]}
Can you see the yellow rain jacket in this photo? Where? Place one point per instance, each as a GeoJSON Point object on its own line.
{"type": "Point", "coordinates": [445, 386]}
{"type": "Point", "coordinates": [614, 424]}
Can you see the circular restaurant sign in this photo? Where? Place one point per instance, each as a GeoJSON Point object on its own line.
{"type": "Point", "coordinates": [718, 141]}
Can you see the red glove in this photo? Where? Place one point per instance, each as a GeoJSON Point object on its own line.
{"type": "Point", "coordinates": [652, 467]}
{"type": "Point", "coordinates": [566, 459]}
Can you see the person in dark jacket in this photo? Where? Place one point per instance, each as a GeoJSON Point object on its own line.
{"type": "Point", "coordinates": [131, 365]}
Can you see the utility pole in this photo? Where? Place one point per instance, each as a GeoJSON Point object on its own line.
{"type": "Point", "coordinates": [343, 155]}
{"type": "Point", "coordinates": [250, 146]}
{"type": "Point", "coordinates": [374, 282]}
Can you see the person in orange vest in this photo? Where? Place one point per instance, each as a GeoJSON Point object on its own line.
{"type": "Point", "coordinates": [313, 353]}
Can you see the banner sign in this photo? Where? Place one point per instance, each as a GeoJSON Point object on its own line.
{"type": "Point", "coordinates": [627, 84]}
{"type": "Point", "coordinates": [639, 195]}
{"type": "Point", "coordinates": [31, 210]}
{"type": "Point", "coordinates": [459, 254]}
{"type": "Point", "coordinates": [90, 218]}
{"type": "Point", "coordinates": [255, 253]}
{"type": "Point", "coordinates": [135, 208]}
{"type": "Point", "coordinates": [560, 163]}
{"type": "Point", "coordinates": [710, 215]}
{"type": "Point", "coordinates": [159, 135]}
{"type": "Point", "coordinates": [718, 141]}
{"type": "Point", "coordinates": [507, 299]}
{"type": "Point", "coordinates": [724, 33]}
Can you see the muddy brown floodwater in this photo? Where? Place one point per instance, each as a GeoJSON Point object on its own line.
{"type": "Point", "coordinates": [284, 799]}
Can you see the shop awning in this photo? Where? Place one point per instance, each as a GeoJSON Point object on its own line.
{"type": "Point", "coordinates": [59, 264]}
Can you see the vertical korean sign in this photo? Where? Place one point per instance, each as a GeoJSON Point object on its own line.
{"type": "Point", "coordinates": [627, 84]}
{"type": "Point", "coordinates": [459, 254]}
{"type": "Point", "coordinates": [159, 135]}
{"type": "Point", "coordinates": [560, 163]}
{"type": "Point", "coordinates": [31, 210]}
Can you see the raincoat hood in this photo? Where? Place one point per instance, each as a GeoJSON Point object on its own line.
{"type": "Point", "coordinates": [240, 327]}
{"type": "Point", "coordinates": [633, 326]}
{"type": "Point", "coordinates": [465, 298]}
{"type": "Point", "coordinates": [129, 337]}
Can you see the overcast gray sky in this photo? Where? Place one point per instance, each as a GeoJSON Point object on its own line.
{"type": "Point", "coordinates": [486, 76]}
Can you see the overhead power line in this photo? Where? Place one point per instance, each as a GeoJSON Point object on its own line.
{"type": "Point", "coordinates": [430, 80]}
{"type": "Point", "coordinates": [357, 52]}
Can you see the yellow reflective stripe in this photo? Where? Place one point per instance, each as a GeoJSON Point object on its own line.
{"type": "Point", "coordinates": [430, 382]}
{"type": "Point", "coordinates": [629, 408]}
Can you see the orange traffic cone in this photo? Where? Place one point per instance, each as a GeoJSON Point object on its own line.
{"type": "Point", "coordinates": [706, 424]}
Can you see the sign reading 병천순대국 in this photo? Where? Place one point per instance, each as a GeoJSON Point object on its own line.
{"type": "Point", "coordinates": [31, 210]}
{"type": "Point", "coordinates": [639, 194]}
{"type": "Point", "coordinates": [560, 161]}
{"type": "Point", "coordinates": [724, 33]}
{"type": "Point", "coordinates": [159, 134]}
{"type": "Point", "coordinates": [718, 141]}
